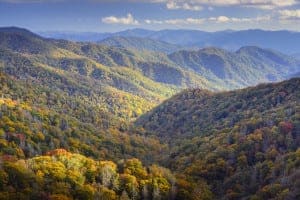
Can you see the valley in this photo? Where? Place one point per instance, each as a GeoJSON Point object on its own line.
{"type": "Point", "coordinates": [130, 117]}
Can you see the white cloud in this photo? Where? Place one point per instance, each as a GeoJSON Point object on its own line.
{"type": "Point", "coordinates": [187, 21]}
{"type": "Point", "coordinates": [172, 5]}
{"type": "Point", "coordinates": [222, 19]}
{"type": "Point", "coordinates": [128, 20]}
{"type": "Point", "coordinates": [289, 14]}
{"type": "Point", "coordinates": [198, 4]}
{"type": "Point", "coordinates": [150, 21]}
{"type": "Point", "coordinates": [219, 19]}
{"type": "Point", "coordinates": [225, 19]}
{"type": "Point", "coordinates": [189, 4]}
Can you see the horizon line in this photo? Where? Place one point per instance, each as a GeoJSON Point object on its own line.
{"type": "Point", "coordinates": [144, 29]}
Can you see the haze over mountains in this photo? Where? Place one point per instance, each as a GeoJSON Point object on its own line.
{"type": "Point", "coordinates": [231, 40]}
{"type": "Point", "coordinates": [67, 107]}
{"type": "Point", "coordinates": [140, 44]}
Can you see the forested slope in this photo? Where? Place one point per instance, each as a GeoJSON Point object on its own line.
{"type": "Point", "coordinates": [66, 108]}
{"type": "Point", "coordinates": [238, 144]}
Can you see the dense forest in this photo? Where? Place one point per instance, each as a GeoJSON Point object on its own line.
{"type": "Point", "coordinates": [239, 144]}
{"type": "Point", "coordinates": [62, 175]}
{"type": "Point", "coordinates": [90, 121]}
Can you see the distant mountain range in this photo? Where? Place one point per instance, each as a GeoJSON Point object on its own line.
{"type": "Point", "coordinates": [231, 40]}
{"type": "Point", "coordinates": [210, 68]}
{"type": "Point", "coordinates": [243, 67]}
{"type": "Point", "coordinates": [142, 44]}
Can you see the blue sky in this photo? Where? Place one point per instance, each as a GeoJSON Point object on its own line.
{"type": "Point", "coordinates": [117, 15]}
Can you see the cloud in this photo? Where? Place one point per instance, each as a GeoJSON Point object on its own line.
{"type": "Point", "coordinates": [128, 20]}
{"type": "Point", "coordinates": [188, 4]}
{"type": "Point", "coordinates": [222, 19]}
{"type": "Point", "coordinates": [187, 21]}
{"type": "Point", "coordinates": [172, 5]}
{"type": "Point", "coordinates": [210, 8]}
{"type": "Point", "coordinates": [289, 14]}
{"type": "Point", "coordinates": [219, 19]}
{"type": "Point", "coordinates": [225, 19]}
{"type": "Point", "coordinates": [199, 4]}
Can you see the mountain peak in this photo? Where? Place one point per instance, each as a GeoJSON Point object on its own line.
{"type": "Point", "coordinates": [16, 30]}
{"type": "Point", "coordinates": [212, 50]}
{"type": "Point", "coordinates": [22, 40]}
{"type": "Point", "coordinates": [250, 48]}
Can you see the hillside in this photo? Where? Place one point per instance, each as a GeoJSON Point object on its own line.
{"type": "Point", "coordinates": [247, 66]}
{"type": "Point", "coordinates": [152, 65]}
{"type": "Point", "coordinates": [216, 69]}
{"type": "Point", "coordinates": [56, 95]}
{"type": "Point", "coordinates": [55, 98]}
{"type": "Point", "coordinates": [237, 144]}
{"type": "Point", "coordinates": [67, 108]}
{"type": "Point", "coordinates": [141, 44]}
{"type": "Point", "coordinates": [198, 108]}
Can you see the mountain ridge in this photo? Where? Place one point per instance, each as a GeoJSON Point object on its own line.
{"type": "Point", "coordinates": [230, 40]}
{"type": "Point", "coordinates": [154, 65]}
{"type": "Point", "coordinates": [140, 44]}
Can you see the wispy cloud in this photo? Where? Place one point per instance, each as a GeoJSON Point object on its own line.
{"type": "Point", "coordinates": [219, 19]}
{"type": "Point", "coordinates": [290, 14]}
{"type": "Point", "coordinates": [172, 5]}
{"type": "Point", "coordinates": [128, 20]}
{"type": "Point", "coordinates": [190, 4]}
{"type": "Point", "coordinates": [199, 4]}
{"type": "Point", "coordinates": [225, 19]}
{"type": "Point", "coordinates": [187, 21]}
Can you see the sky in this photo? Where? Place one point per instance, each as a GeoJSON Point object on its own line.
{"type": "Point", "coordinates": [118, 15]}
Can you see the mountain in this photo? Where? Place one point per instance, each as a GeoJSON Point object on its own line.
{"type": "Point", "coordinates": [242, 144]}
{"type": "Point", "coordinates": [56, 98]}
{"type": "Point", "coordinates": [75, 36]}
{"type": "Point", "coordinates": [231, 40]}
{"type": "Point", "coordinates": [137, 32]}
{"type": "Point", "coordinates": [89, 121]}
{"type": "Point", "coordinates": [23, 41]}
{"type": "Point", "coordinates": [82, 96]}
{"type": "Point", "coordinates": [140, 44]}
{"type": "Point", "coordinates": [93, 36]}
{"type": "Point", "coordinates": [279, 40]}
{"type": "Point", "coordinates": [50, 89]}
{"type": "Point", "coordinates": [180, 37]}
{"type": "Point", "coordinates": [205, 106]}
{"type": "Point", "coordinates": [247, 66]}
{"type": "Point", "coordinates": [209, 68]}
